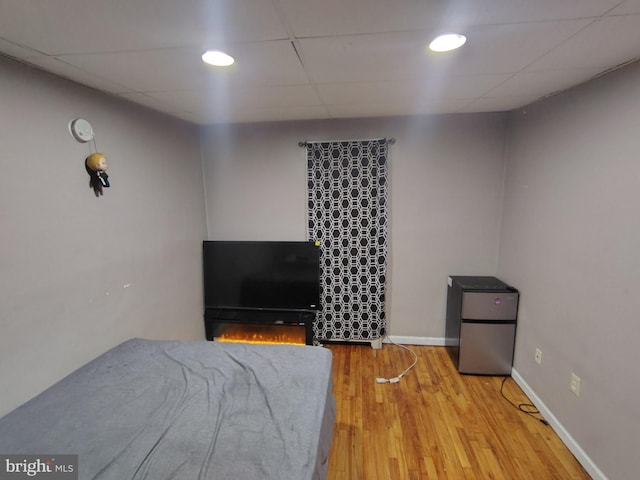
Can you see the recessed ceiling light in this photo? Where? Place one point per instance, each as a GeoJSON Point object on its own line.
{"type": "Point", "coordinates": [217, 58]}
{"type": "Point", "coordinates": [447, 42]}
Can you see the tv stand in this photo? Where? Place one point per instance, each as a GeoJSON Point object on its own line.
{"type": "Point", "coordinates": [216, 318]}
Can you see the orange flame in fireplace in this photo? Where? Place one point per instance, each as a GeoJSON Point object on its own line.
{"type": "Point", "coordinates": [264, 334]}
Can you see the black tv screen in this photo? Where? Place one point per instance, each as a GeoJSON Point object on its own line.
{"type": "Point", "coordinates": [261, 275]}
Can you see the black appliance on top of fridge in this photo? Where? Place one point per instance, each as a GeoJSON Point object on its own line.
{"type": "Point", "coordinates": [481, 324]}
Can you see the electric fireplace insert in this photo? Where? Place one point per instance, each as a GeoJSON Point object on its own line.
{"type": "Point", "coordinates": [273, 286]}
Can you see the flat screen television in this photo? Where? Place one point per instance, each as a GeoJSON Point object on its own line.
{"type": "Point", "coordinates": [267, 275]}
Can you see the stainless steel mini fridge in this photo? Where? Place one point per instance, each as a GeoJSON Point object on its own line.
{"type": "Point", "coordinates": [481, 324]}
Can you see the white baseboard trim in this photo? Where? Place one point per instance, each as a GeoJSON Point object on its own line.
{"type": "Point", "coordinates": [562, 432]}
{"type": "Point", "coordinates": [433, 341]}
{"type": "Point", "coordinates": [376, 342]}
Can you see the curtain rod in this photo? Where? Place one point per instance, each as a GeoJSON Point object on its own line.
{"type": "Point", "coordinates": [390, 141]}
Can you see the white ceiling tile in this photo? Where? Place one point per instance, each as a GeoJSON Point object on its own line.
{"type": "Point", "coordinates": [256, 64]}
{"type": "Point", "coordinates": [409, 91]}
{"type": "Point", "coordinates": [626, 8]}
{"type": "Point", "coordinates": [384, 57]}
{"type": "Point", "coordinates": [604, 43]}
{"type": "Point", "coordinates": [310, 18]}
{"type": "Point", "coordinates": [16, 51]}
{"type": "Point", "coordinates": [498, 104]}
{"type": "Point", "coordinates": [369, 92]}
{"type": "Point", "coordinates": [542, 83]}
{"type": "Point", "coordinates": [275, 96]}
{"type": "Point", "coordinates": [139, 70]}
{"type": "Point", "coordinates": [243, 98]}
{"type": "Point", "coordinates": [313, 18]}
{"type": "Point", "coordinates": [266, 114]}
{"type": "Point", "coordinates": [402, 56]}
{"type": "Point", "coordinates": [394, 109]}
{"type": "Point", "coordinates": [239, 104]}
{"type": "Point", "coordinates": [510, 48]}
{"type": "Point", "coordinates": [65, 70]}
{"type": "Point", "coordinates": [81, 26]}
{"type": "Point", "coordinates": [154, 102]}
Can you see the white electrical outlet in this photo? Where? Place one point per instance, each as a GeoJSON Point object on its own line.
{"type": "Point", "coordinates": [538, 356]}
{"type": "Point", "coordinates": [574, 384]}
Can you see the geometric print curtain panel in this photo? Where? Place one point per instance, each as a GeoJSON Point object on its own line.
{"type": "Point", "coordinates": [347, 213]}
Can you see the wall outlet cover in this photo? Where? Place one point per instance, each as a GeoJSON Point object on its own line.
{"type": "Point", "coordinates": [574, 384]}
{"type": "Point", "coordinates": [538, 356]}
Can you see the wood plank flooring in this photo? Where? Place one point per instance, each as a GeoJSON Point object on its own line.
{"type": "Point", "coordinates": [434, 423]}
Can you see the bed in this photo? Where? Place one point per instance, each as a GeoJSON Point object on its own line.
{"type": "Point", "coordinates": [150, 409]}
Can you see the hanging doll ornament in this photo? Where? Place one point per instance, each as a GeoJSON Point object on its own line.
{"type": "Point", "coordinates": [96, 165]}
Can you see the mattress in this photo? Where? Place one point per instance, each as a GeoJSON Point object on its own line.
{"type": "Point", "coordinates": [186, 410]}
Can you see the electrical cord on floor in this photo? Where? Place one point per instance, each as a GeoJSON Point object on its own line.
{"type": "Point", "coordinates": [397, 378]}
{"type": "Point", "coordinates": [528, 408]}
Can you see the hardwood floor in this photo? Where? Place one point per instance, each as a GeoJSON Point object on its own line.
{"type": "Point", "coordinates": [434, 423]}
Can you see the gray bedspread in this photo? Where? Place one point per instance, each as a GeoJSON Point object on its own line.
{"type": "Point", "coordinates": [186, 410]}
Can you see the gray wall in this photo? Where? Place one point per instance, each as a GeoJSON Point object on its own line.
{"type": "Point", "coordinates": [445, 199]}
{"type": "Point", "coordinates": [570, 240]}
{"type": "Point", "coordinates": [79, 274]}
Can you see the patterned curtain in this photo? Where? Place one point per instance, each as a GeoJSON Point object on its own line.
{"type": "Point", "coordinates": [347, 213]}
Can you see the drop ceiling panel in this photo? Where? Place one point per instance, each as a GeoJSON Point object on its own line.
{"type": "Point", "coordinates": [395, 109]}
{"type": "Point", "coordinates": [432, 88]}
{"type": "Point", "coordinates": [542, 83]}
{"type": "Point", "coordinates": [498, 104]}
{"type": "Point", "coordinates": [527, 42]}
{"type": "Point", "coordinates": [626, 8]}
{"type": "Point", "coordinates": [313, 18]}
{"type": "Point", "coordinates": [158, 104]}
{"type": "Point", "coordinates": [242, 98]}
{"type": "Point", "coordinates": [263, 114]}
{"type": "Point", "coordinates": [383, 57]}
{"type": "Point", "coordinates": [400, 56]}
{"type": "Point", "coordinates": [13, 50]}
{"type": "Point", "coordinates": [262, 63]}
{"type": "Point", "coordinates": [62, 69]}
{"type": "Point", "coordinates": [605, 43]}
{"type": "Point", "coordinates": [239, 104]}
{"type": "Point", "coordinates": [355, 58]}
{"type": "Point", "coordinates": [79, 26]}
